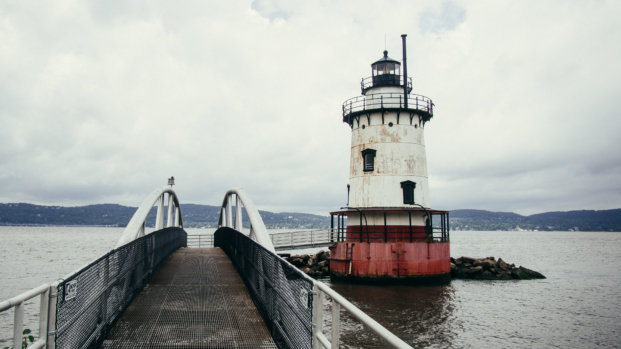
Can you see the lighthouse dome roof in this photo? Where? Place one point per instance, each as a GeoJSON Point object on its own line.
{"type": "Point", "coordinates": [386, 59]}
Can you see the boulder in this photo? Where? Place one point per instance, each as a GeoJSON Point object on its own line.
{"type": "Point", "coordinates": [298, 262]}
{"type": "Point", "coordinates": [490, 269]}
{"type": "Point", "coordinates": [504, 275]}
{"type": "Point", "coordinates": [323, 263]}
{"type": "Point", "coordinates": [460, 274]}
{"type": "Point", "coordinates": [467, 260]}
{"type": "Point", "coordinates": [501, 264]}
{"type": "Point", "coordinates": [531, 273]}
{"type": "Point", "coordinates": [487, 264]}
{"type": "Point", "coordinates": [475, 271]}
{"type": "Point", "coordinates": [485, 275]}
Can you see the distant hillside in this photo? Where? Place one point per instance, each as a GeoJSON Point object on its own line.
{"type": "Point", "coordinates": [197, 216]}
{"type": "Point", "coordinates": [118, 216]}
{"type": "Point", "coordinates": [586, 220]}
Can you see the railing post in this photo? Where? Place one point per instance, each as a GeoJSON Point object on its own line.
{"type": "Point", "coordinates": [18, 326]}
{"type": "Point", "coordinates": [51, 317]}
{"type": "Point", "coordinates": [177, 216]}
{"type": "Point", "coordinates": [43, 309]}
{"type": "Point", "coordinates": [336, 324]}
{"type": "Point", "coordinates": [410, 226]}
{"type": "Point", "coordinates": [385, 229]}
{"type": "Point", "coordinates": [317, 317]}
{"type": "Point", "coordinates": [171, 211]}
{"type": "Point", "coordinates": [229, 212]}
{"type": "Point", "coordinates": [222, 221]}
{"type": "Point", "coordinates": [238, 214]}
{"type": "Point", "coordinates": [159, 217]}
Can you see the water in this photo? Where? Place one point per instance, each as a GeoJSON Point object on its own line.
{"type": "Point", "coordinates": [577, 306]}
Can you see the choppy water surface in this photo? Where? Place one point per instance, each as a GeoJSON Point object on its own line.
{"type": "Point", "coordinates": [577, 306]}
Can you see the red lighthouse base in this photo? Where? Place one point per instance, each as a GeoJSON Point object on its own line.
{"type": "Point", "coordinates": [391, 262]}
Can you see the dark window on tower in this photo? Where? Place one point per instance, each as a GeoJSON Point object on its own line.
{"type": "Point", "coordinates": [368, 157]}
{"type": "Point", "coordinates": [408, 192]}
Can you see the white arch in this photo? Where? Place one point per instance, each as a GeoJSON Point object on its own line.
{"type": "Point", "coordinates": [136, 226]}
{"type": "Point", "coordinates": [257, 228]}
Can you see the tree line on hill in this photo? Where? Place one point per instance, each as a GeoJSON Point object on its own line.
{"type": "Point", "coordinates": [206, 216]}
{"type": "Point", "coordinates": [194, 216]}
{"type": "Point", "coordinates": [585, 220]}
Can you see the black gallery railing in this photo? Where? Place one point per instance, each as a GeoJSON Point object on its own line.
{"type": "Point", "coordinates": [377, 101]}
{"type": "Point", "coordinates": [91, 301]}
{"type": "Point", "coordinates": [281, 293]}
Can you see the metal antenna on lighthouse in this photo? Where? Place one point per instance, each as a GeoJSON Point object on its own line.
{"type": "Point", "coordinates": [405, 73]}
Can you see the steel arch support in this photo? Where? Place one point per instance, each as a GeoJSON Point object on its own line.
{"type": "Point", "coordinates": [257, 227]}
{"type": "Point", "coordinates": [135, 227]}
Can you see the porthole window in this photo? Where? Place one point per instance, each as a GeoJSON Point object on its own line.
{"type": "Point", "coordinates": [408, 192]}
{"type": "Point", "coordinates": [363, 127]}
{"type": "Point", "coordinates": [390, 124]}
{"type": "Point", "coordinates": [415, 126]}
{"type": "Point", "coordinates": [368, 157]}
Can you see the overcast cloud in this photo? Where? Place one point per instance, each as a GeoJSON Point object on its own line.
{"type": "Point", "coordinates": [102, 101]}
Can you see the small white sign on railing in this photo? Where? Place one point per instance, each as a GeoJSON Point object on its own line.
{"type": "Point", "coordinates": [304, 298]}
{"type": "Point", "coordinates": [71, 289]}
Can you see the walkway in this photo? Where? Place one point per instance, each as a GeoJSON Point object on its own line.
{"type": "Point", "coordinates": [195, 300]}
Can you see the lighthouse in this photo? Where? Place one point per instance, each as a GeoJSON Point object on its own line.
{"type": "Point", "coordinates": [388, 233]}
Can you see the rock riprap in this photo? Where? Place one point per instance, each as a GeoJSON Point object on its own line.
{"type": "Point", "coordinates": [490, 269]}
{"type": "Point", "coordinates": [461, 268]}
{"type": "Point", "coordinates": [314, 265]}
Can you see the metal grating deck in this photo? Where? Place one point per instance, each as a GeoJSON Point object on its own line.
{"type": "Point", "coordinates": [195, 300]}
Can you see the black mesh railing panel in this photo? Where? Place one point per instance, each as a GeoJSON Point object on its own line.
{"type": "Point", "coordinates": [92, 300]}
{"type": "Point", "coordinates": [281, 293]}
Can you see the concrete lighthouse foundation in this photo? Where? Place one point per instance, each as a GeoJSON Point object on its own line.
{"type": "Point", "coordinates": [388, 232]}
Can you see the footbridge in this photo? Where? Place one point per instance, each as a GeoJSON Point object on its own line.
{"type": "Point", "coordinates": [161, 290]}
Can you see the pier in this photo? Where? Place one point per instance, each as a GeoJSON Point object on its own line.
{"type": "Point", "coordinates": [196, 299]}
{"type": "Point", "coordinates": [153, 291]}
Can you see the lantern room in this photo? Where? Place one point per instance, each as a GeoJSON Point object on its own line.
{"type": "Point", "coordinates": [386, 72]}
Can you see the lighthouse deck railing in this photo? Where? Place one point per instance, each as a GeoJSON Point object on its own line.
{"type": "Point", "coordinates": [378, 101]}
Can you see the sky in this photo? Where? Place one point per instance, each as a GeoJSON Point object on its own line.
{"type": "Point", "coordinates": [102, 101]}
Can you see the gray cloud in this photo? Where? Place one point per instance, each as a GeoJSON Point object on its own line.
{"type": "Point", "coordinates": [447, 17]}
{"type": "Point", "coordinates": [102, 101]}
{"type": "Point", "coordinates": [271, 9]}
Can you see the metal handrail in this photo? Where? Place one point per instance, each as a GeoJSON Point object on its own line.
{"type": "Point", "coordinates": [18, 320]}
{"type": "Point", "coordinates": [367, 83]}
{"type": "Point", "coordinates": [302, 238]}
{"type": "Point", "coordinates": [200, 240]}
{"type": "Point", "coordinates": [339, 301]}
{"type": "Point", "coordinates": [378, 101]}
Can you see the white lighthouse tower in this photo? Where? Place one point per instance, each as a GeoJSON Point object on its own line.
{"type": "Point", "coordinates": [390, 231]}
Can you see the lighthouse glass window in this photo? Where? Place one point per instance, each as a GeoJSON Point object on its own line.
{"type": "Point", "coordinates": [408, 192]}
{"type": "Point", "coordinates": [368, 158]}
{"type": "Point", "coordinates": [368, 162]}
